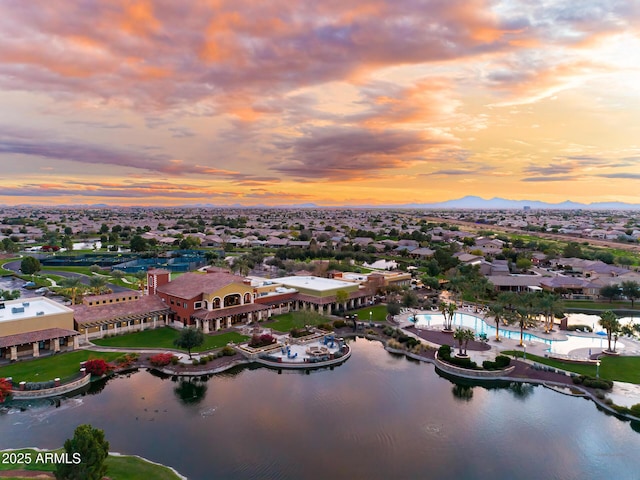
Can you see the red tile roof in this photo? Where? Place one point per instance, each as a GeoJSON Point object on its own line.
{"type": "Point", "coordinates": [36, 336]}
{"type": "Point", "coordinates": [225, 312]}
{"type": "Point", "coordinates": [97, 314]}
{"type": "Point", "coordinates": [190, 285]}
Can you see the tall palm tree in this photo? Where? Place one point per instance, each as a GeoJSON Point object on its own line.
{"type": "Point", "coordinates": [549, 304]}
{"type": "Point", "coordinates": [609, 321]}
{"type": "Point", "coordinates": [141, 276]}
{"type": "Point", "coordinates": [73, 284]}
{"type": "Point", "coordinates": [498, 312]}
{"type": "Point", "coordinates": [97, 285]}
{"type": "Point", "coordinates": [451, 309]}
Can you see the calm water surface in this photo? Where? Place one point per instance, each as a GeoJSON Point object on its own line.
{"type": "Point", "coordinates": [376, 416]}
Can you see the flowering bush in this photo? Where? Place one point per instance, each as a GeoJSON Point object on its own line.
{"type": "Point", "coordinates": [5, 389]}
{"type": "Point", "coordinates": [161, 359]}
{"type": "Point", "coordinates": [127, 360]}
{"type": "Point", "coordinates": [261, 340]}
{"type": "Point", "coordinates": [97, 367]}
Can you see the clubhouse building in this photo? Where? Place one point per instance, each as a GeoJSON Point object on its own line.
{"type": "Point", "coordinates": [35, 327]}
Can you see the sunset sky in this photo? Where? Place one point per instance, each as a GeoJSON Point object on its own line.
{"type": "Point", "coordinates": [328, 102]}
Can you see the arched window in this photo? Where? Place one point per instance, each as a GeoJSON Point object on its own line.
{"type": "Point", "coordinates": [232, 300]}
{"type": "Point", "coordinates": [215, 303]}
{"type": "Point", "coordinates": [247, 298]}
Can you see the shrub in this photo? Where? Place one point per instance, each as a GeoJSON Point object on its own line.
{"type": "Point", "coordinates": [388, 331]}
{"type": "Point", "coordinates": [339, 324]}
{"type": "Point", "coordinates": [299, 332]}
{"type": "Point", "coordinates": [204, 360]}
{"type": "Point", "coordinates": [97, 367]}
{"type": "Point", "coordinates": [392, 343]}
{"type": "Point", "coordinates": [127, 360]}
{"type": "Point", "coordinates": [325, 326]}
{"type": "Point", "coordinates": [162, 359]}
{"type": "Point", "coordinates": [502, 361]}
{"type": "Point", "coordinates": [599, 394]}
{"type": "Point", "coordinates": [444, 351]}
{"type": "Point", "coordinates": [174, 360]}
{"type": "Point", "coordinates": [261, 340]}
{"type": "Point", "coordinates": [195, 362]}
{"type": "Point", "coordinates": [412, 342]}
{"type": "Point", "coordinates": [5, 389]}
{"type": "Point", "coordinates": [228, 351]}
{"type": "Point", "coordinates": [635, 410]}
{"type": "Point", "coordinates": [591, 382]}
{"type": "Point", "coordinates": [489, 365]}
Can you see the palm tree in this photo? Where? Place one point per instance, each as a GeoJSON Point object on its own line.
{"type": "Point", "coordinates": [463, 335]}
{"type": "Point", "coordinates": [141, 276]}
{"type": "Point", "coordinates": [521, 315]}
{"type": "Point", "coordinates": [498, 312]}
{"type": "Point", "coordinates": [241, 266]}
{"type": "Point", "coordinates": [548, 304]}
{"type": "Point", "coordinates": [72, 284]}
{"type": "Point", "coordinates": [97, 285]}
{"type": "Point", "coordinates": [447, 310]}
{"type": "Point", "coordinates": [609, 321]}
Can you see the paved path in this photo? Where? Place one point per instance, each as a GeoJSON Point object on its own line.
{"type": "Point", "coordinates": [84, 279]}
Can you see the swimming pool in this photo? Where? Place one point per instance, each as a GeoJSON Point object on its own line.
{"type": "Point", "coordinates": [562, 347]}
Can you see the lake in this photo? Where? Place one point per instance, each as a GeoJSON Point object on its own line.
{"type": "Point", "coordinates": [376, 416]}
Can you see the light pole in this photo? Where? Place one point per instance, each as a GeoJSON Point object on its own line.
{"type": "Point", "coordinates": [598, 368]}
{"type": "Point", "coordinates": [370, 313]}
{"type": "Point", "coordinates": [524, 355]}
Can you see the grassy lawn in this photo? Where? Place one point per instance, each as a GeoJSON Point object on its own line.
{"type": "Point", "coordinates": [118, 467]}
{"type": "Point", "coordinates": [379, 313]}
{"type": "Point", "coordinates": [164, 337]}
{"type": "Point", "coordinates": [620, 369]}
{"type": "Point", "coordinates": [4, 271]}
{"type": "Point", "coordinates": [603, 305]}
{"type": "Point", "coordinates": [287, 321]}
{"type": "Point", "coordinates": [47, 368]}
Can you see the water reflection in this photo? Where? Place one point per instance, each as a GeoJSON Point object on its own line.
{"type": "Point", "coordinates": [521, 391]}
{"type": "Point", "coordinates": [374, 417]}
{"type": "Point", "coordinates": [462, 392]}
{"type": "Point", "coordinates": [191, 391]}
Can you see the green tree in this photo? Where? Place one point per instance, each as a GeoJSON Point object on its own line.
{"type": "Point", "coordinates": [631, 290]}
{"type": "Point", "coordinates": [141, 276]}
{"type": "Point", "coordinates": [30, 265]}
{"type": "Point", "coordinates": [448, 311]}
{"type": "Point", "coordinates": [393, 308]}
{"type": "Point", "coordinates": [9, 245]}
{"type": "Point", "coordinates": [609, 321]}
{"type": "Point", "coordinates": [138, 244]}
{"type": "Point", "coordinates": [463, 335]}
{"type": "Point", "coordinates": [409, 300]}
{"type": "Point", "coordinates": [341, 298]}
{"type": "Point", "coordinates": [97, 285]}
{"type": "Point", "coordinates": [572, 250]}
{"type": "Point", "coordinates": [89, 446]}
{"type": "Point", "coordinates": [430, 282]}
{"type": "Point", "coordinates": [610, 291]}
{"type": "Point", "coordinates": [73, 284]}
{"type": "Point", "coordinates": [497, 311]}
{"type": "Point", "coordinates": [9, 294]}
{"type": "Point", "coordinates": [189, 338]}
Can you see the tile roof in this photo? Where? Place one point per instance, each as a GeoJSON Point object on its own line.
{"type": "Point", "coordinates": [97, 314]}
{"type": "Point", "coordinates": [225, 312]}
{"type": "Point", "coordinates": [36, 336]}
{"type": "Point", "coordinates": [190, 285]}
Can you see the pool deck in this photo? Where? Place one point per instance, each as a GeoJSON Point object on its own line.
{"type": "Point", "coordinates": [629, 346]}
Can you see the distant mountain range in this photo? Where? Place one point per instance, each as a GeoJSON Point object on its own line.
{"type": "Point", "coordinates": [468, 202]}
{"type": "Point", "coordinates": [472, 202]}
